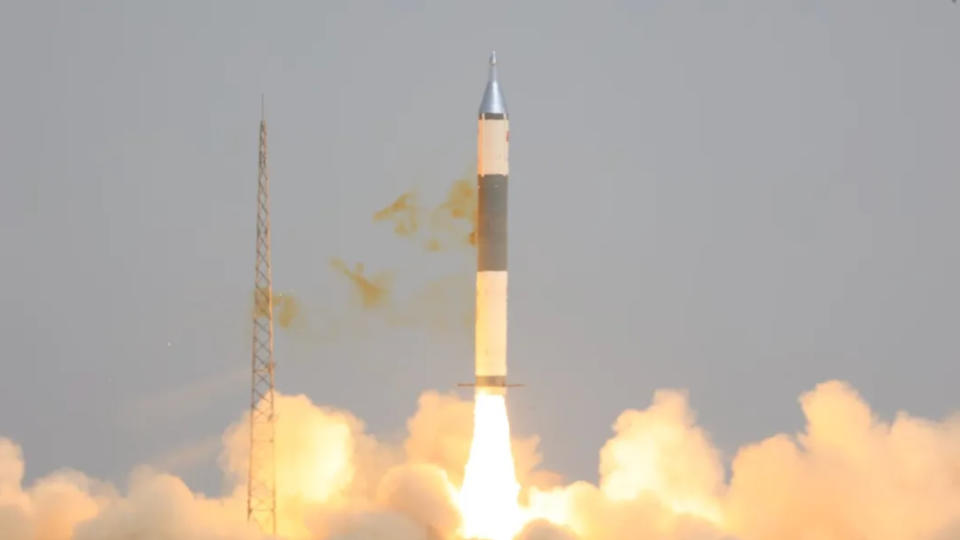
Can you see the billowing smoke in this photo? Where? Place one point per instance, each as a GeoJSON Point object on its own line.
{"type": "Point", "coordinates": [847, 475]}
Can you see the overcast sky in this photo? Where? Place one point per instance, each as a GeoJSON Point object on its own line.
{"type": "Point", "coordinates": [741, 199]}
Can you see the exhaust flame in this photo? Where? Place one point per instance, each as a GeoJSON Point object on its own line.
{"type": "Point", "coordinates": [488, 498]}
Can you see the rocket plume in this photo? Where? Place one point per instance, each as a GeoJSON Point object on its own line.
{"type": "Point", "coordinates": [488, 498]}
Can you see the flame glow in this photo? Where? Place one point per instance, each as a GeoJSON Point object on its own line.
{"type": "Point", "coordinates": [488, 498]}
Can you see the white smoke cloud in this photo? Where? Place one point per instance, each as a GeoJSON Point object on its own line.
{"type": "Point", "coordinates": [847, 475]}
{"type": "Point", "coordinates": [51, 508]}
{"type": "Point", "coordinates": [661, 450]}
{"type": "Point", "coordinates": [424, 493]}
{"type": "Point", "coordinates": [159, 506]}
{"type": "Point", "coordinates": [541, 529]}
{"type": "Point", "coordinates": [375, 524]}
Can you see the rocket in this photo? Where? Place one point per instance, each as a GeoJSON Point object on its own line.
{"type": "Point", "coordinates": [493, 169]}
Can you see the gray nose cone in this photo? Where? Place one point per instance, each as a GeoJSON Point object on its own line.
{"type": "Point", "coordinates": [493, 102]}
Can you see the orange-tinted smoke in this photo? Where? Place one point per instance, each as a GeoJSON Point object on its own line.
{"type": "Point", "coordinates": [460, 206]}
{"type": "Point", "coordinates": [449, 224]}
{"type": "Point", "coordinates": [374, 291]}
{"type": "Point", "coordinates": [404, 214]}
{"type": "Point", "coordinates": [286, 309]}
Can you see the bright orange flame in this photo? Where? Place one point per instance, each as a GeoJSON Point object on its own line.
{"type": "Point", "coordinates": [488, 498]}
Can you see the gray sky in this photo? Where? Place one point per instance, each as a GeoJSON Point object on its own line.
{"type": "Point", "coordinates": [738, 198]}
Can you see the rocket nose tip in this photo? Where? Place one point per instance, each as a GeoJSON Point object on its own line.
{"type": "Point", "coordinates": [493, 101]}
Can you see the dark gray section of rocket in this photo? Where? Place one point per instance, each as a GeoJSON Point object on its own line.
{"type": "Point", "coordinates": [492, 223]}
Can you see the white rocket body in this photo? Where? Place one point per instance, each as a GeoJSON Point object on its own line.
{"type": "Point", "coordinates": [493, 169]}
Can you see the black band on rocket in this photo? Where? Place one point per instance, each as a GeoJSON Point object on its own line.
{"type": "Point", "coordinates": [492, 223]}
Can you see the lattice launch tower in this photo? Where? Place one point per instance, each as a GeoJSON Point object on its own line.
{"type": "Point", "coordinates": [262, 475]}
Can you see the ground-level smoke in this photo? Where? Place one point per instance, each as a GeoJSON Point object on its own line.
{"type": "Point", "coordinates": [847, 475]}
